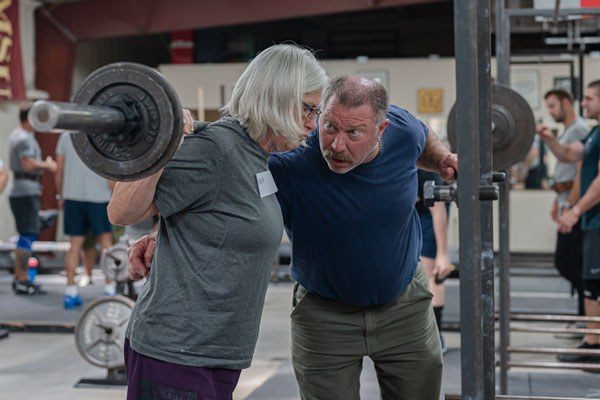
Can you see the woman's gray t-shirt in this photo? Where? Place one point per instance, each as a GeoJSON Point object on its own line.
{"type": "Point", "coordinates": [217, 241]}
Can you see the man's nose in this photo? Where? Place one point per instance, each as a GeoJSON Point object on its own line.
{"type": "Point", "coordinates": [338, 144]}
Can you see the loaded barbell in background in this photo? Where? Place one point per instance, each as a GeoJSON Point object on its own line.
{"type": "Point", "coordinates": [513, 127]}
{"type": "Point", "coordinates": [513, 131]}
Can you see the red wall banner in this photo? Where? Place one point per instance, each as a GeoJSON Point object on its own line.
{"type": "Point", "coordinates": [12, 86]}
{"type": "Point", "coordinates": [590, 3]}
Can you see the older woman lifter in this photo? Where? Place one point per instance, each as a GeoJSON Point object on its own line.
{"type": "Point", "coordinates": [195, 323]}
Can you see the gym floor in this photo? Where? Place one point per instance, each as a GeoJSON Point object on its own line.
{"type": "Point", "coordinates": [47, 365]}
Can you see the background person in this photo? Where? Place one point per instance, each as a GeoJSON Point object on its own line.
{"type": "Point", "coordinates": [25, 161]}
{"type": "Point", "coordinates": [586, 209]}
{"type": "Point", "coordinates": [568, 257]}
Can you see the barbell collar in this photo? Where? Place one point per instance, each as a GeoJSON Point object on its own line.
{"type": "Point", "coordinates": [498, 177]}
{"type": "Point", "coordinates": [489, 193]}
{"type": "Point", "coordinates": [45, 116]}
{"type": "Point", "coordinates": [446, 193]}
{"type": "Point", "coordinates": [433, 193]}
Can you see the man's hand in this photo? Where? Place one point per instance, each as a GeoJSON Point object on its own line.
{"type": "Point", "coordinates": [51, 165]}
{"type": "Point", "coordinates": [567, 221]}
{"type": "Point", "coordinates": [449, 168]}
{"type": "Point", "coordinates": [442, 267]}
{"type": "Point", "coordinates": [544, 132]}
{"type": "Point", "coordinates": [554, 212]}
{"type": "Point", "coordinates": [140, 254]}
{"type": "Point", "coordinates": [188, 122]}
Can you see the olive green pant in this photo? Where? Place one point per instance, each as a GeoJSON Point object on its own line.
{"type": "Point", "coordinates": [330, 339]}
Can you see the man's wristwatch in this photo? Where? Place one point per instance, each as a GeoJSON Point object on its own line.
{"type": "Point", "coordinates": [58, 197]}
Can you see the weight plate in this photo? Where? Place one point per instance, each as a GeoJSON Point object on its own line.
{"type": "Point", "coordinates": [513, 127]}
{"type": "Point", "coordinates": [113, 263]}
{"type": "Point", "coordinates": [151, 146]}
{"type": "Point", "coordinates": [100, 331]}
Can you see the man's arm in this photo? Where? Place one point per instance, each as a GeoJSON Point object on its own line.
{"type": "Point", "coordinates": [132, 202]}
{"type": "Point", "coordinates": [438, 158]}
{"type": "Point", "coordinates": [440, 223]}
{"type": "Point", "coordinates": [575, 193]}
{"type": "Point", "coordinates": [571, 152]}
{"type": "Point", "coordinates": [587, 202]}
{"type": "Point", "coordinates": [31, 164]}
{"type": "Point", "coordinates": [590, 198]}
{"type": "Point", "coordinates": [3, 179]}
{"type": "Point", "coordinates": [440, 226]}
{"type": "Point", "coordinates": [58, 176]}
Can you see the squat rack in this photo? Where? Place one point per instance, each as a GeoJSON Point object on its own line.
{"type": "Point", "coordinates": [473, 77]}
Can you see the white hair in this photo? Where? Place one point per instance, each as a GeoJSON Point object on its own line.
{"type": "Point", "coordinates": [268, 95]}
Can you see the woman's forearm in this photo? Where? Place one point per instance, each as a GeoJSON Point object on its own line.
{"type": "Point", "coordinates": [132, 202]}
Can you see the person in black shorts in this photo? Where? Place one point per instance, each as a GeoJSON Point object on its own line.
{"type": "Point", "coordinates": [25, 161]}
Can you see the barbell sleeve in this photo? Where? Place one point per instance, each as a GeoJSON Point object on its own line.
{"type": "Point", "coordinates": [45, 116]}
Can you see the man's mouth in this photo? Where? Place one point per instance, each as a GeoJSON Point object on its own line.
{"type": "Point", "coordinates": [337, 162]}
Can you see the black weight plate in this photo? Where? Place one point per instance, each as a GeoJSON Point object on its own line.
{"type": "Point", "coordinates": [514, 127]}
{"type": "Point", "coordinates": [153, 146]}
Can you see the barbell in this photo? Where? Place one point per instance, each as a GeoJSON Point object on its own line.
{"type": "Point", "coordinates": [125, 119]}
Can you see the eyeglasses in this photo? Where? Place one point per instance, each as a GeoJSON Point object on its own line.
{"type": "Point", "coordinates": [311, 111]}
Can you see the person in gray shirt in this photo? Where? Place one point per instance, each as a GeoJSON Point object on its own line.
{"type": "Point", "coordinates": [219, 231]}
{"type": "Point", "coordinates": [25, 161]}
{"type": "Point", "coordinates": [568, 257]}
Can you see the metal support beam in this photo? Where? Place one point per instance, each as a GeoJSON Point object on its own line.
{"type": "Point", "coordinates": [467, 109]}
{"type": "Point", "coordinates": [503, 78]}
{"type": "Point", "coordinates": [485, 179]}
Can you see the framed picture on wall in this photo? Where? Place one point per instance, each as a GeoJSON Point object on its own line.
{"type": "Point", "coordinates": [568, 84]}
{"type": "Point", "coordinates": [378, 75]}
{"type": "Point", "coordinates": [430, 100]}
{"type": "Point", "coordinates": [526, 82]}
{"type": "Point", "coordinates": [563, 82]}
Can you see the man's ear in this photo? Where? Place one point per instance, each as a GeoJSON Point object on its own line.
{"type": "Point", "coordinates": [382, 127]}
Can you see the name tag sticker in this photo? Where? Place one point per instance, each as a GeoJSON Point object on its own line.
{"type": "Point", "coordinates": [266, 184]}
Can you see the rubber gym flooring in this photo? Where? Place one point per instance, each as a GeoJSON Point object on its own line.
{"type": "Point", "coordinates": [48, 365]}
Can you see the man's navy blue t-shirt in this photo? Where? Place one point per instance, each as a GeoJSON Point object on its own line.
{"type": "Point", "coordinates": [356, 236]}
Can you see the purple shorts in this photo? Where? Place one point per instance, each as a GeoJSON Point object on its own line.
{"type": "Point", "coordinates": [149, 378]}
